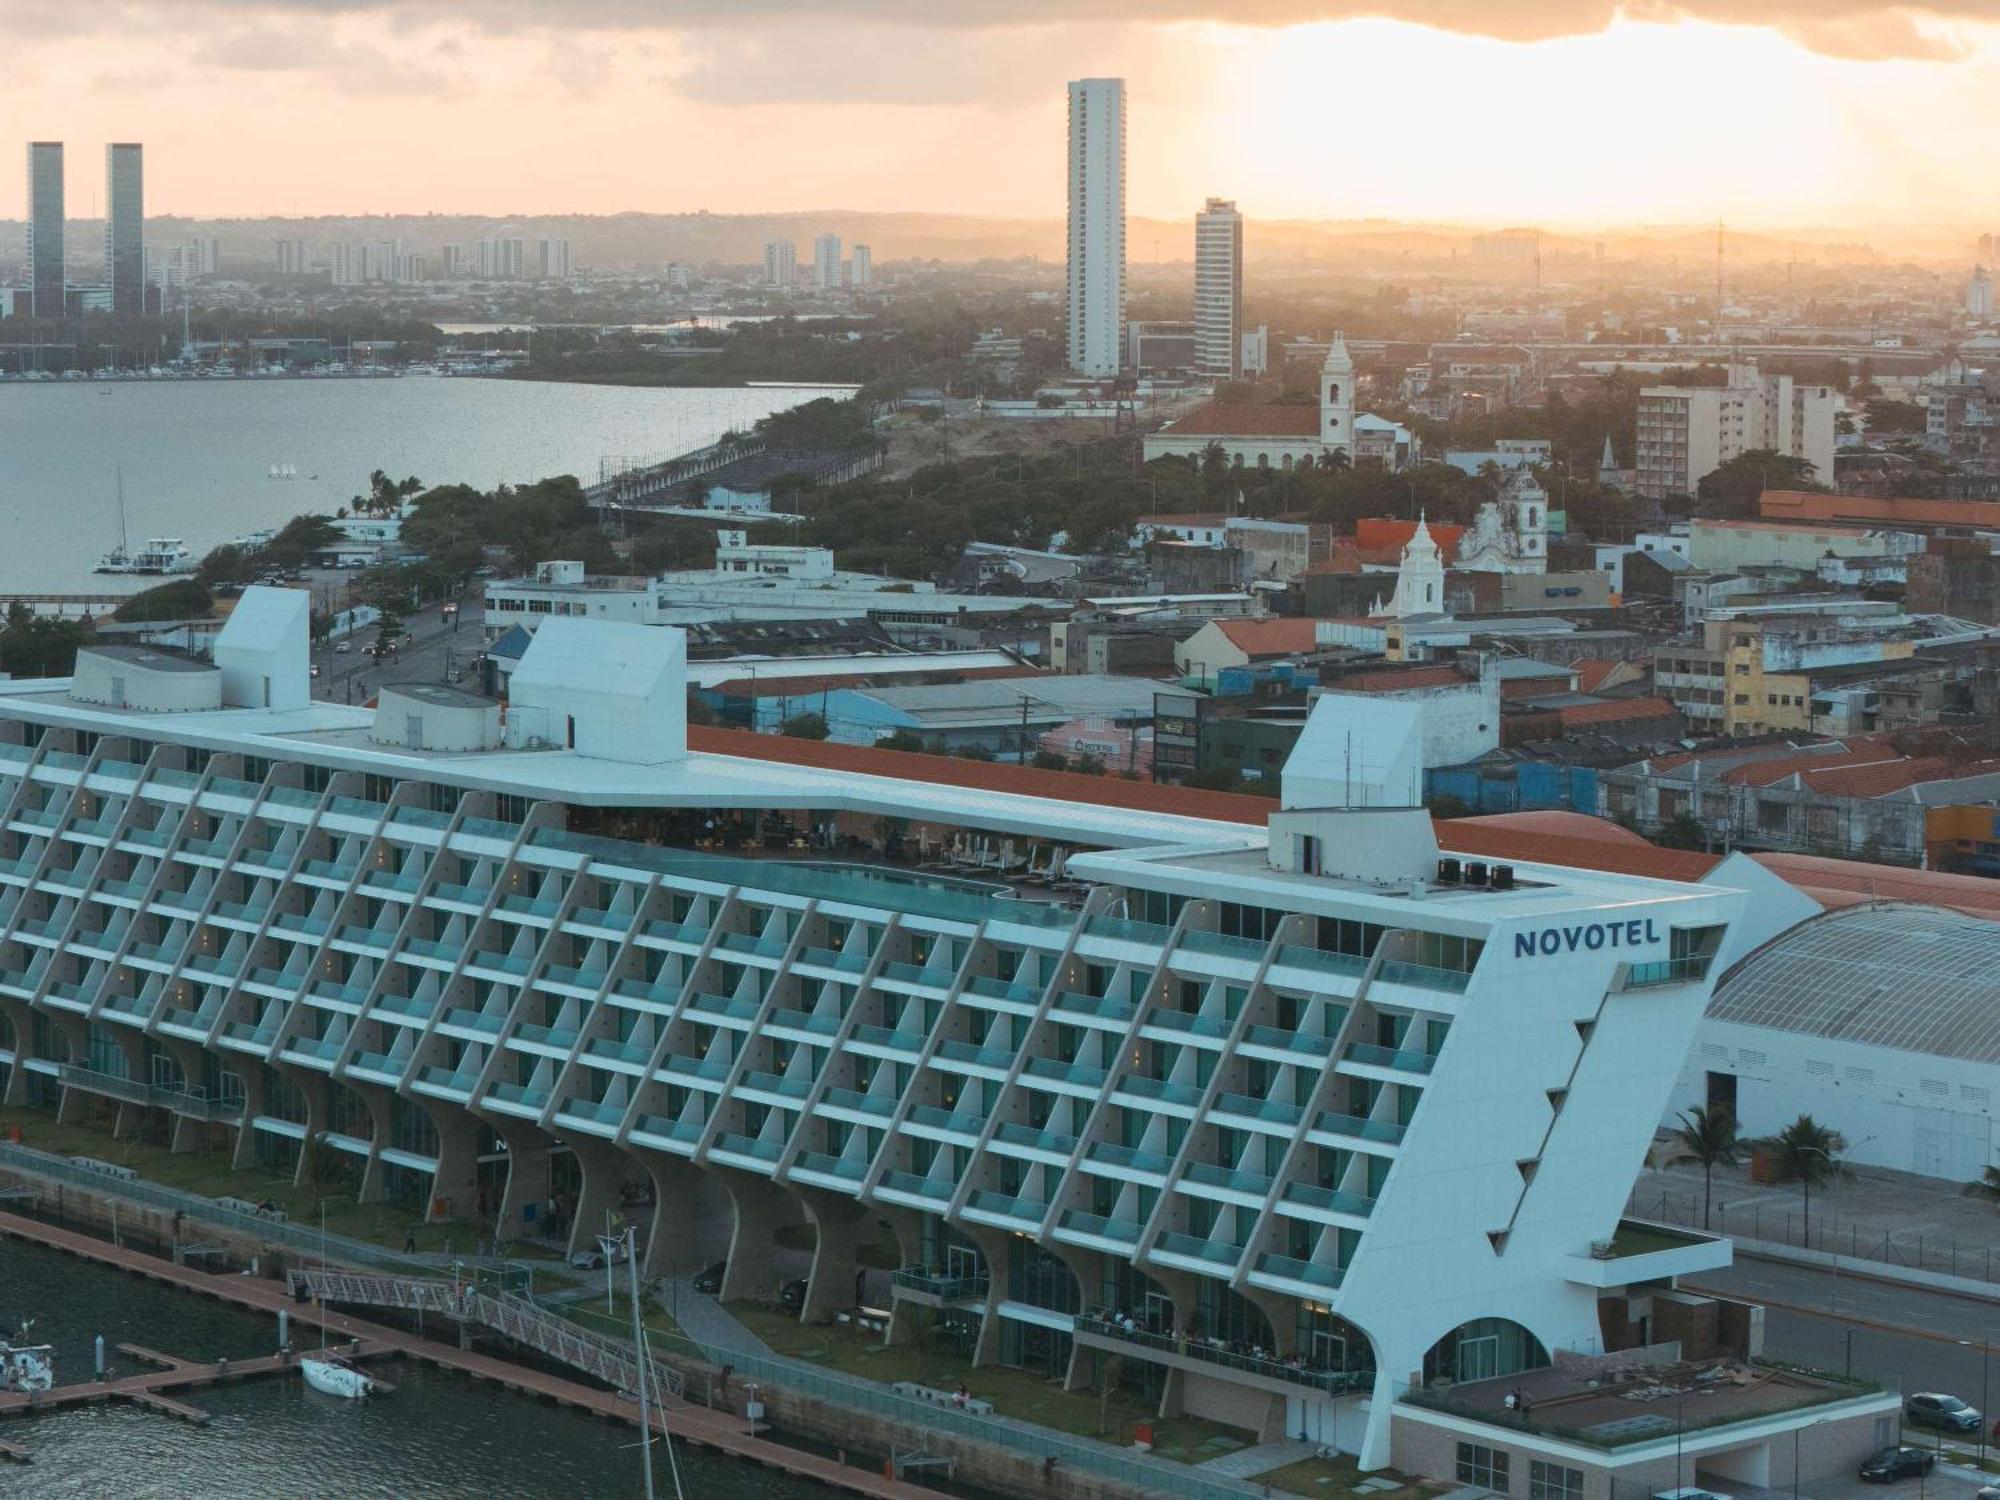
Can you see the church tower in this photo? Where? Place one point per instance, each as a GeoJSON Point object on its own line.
{"type": "Point", "coordinates": [1420, 578]}
{"type": "Point", "coordinates": [1528, 513]}
{"type": "Point", "coordinates": [1336, 397]}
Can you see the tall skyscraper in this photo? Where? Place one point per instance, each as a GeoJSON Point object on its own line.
{"type": "Point", "coordinates": [125, 226]}
{"type": "Point", "coordinates": [45, 227]}
{"type": "Point", "coordinates": [862, 271]}
{"type": "Point", "coordinates": [1218, 290]}
{"type": "Point", "coordinates": [294, 259]}
{"type": "Point", "coordinates": [826, 262]}
{"type": "Point", "coordinates": [1096, 225]}
{"type": "Point", "coordinates": [781, 262]}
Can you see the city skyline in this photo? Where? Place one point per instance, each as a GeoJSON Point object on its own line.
{"type": "Point", "coordinates": [1875, 108]}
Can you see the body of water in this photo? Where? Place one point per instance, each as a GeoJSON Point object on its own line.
{"type": "Point", "coordinates": [196, 455]}
{"type": "Point", "coordinates": [438, 1436]}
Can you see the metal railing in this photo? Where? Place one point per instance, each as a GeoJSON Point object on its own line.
{"type": "Point", "coordinates": [1752, 1223]}
{"type": "Point", "coordinates": [525, 1322]}
{"type": "Point", "coordinates": [1334, 1382]}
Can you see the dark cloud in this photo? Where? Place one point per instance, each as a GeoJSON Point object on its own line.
{"type": "Point", "coordinates": [1845, 28]}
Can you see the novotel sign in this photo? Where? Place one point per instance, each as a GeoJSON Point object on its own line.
{"type": "Point", "coordinates": [1546, 942]}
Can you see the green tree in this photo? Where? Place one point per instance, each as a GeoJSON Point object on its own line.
{"type": "Point", "coordinates": [1682, 831]}
{"type": "Point", "coordinates": [1049, 760]}
{"type": "Point", "coordinates": [1806, 1152]}
{"type": "Point", "coordinates": [804, 727]}
{"type": "Point", "coordinates": [181, 599]}
{"type": "Point", "coordinates": [902, 739]}
{"type": "Point", "coordinates": [1708, 1137]}
{"type": "Point", "coordinates": [1731, 490]}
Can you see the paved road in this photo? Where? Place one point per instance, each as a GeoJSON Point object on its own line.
{"type": "Point", "coordinates": [355, 676]}
{"type": "Point", "coordinates": [1899, 1333]}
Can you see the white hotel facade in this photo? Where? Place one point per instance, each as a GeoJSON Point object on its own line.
{"type": "Point", "coordinates": [1319, 1116]}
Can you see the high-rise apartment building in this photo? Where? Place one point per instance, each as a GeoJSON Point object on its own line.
{"type": "Point", "coordinates": [1096, 225]}
{"type": "Point", "coordinates": [861, 270]}
{"type": "Point", "coordinates": [46, 257]}
{"type": "Point", "coordinates": [552, 259]}
{"type": "Point", "coordinates": [204, 255]}
{"type": "Point", "coordinates": [1218, 290]}
{"type": "Point", "coordinates": [501, 258]}
{"type": "Point", "coordinates": [781, 263]}
{"type": "Point", "coordinates": [125, 226]}
{"type": "Point", "coordinates": [826, 262]}
{"type": "Point", "coordinates": [1979, 295]}
{"type": "Point", "coordinates": [294, 259]}
{"type": "Point", "coordinates": [1687, 432]}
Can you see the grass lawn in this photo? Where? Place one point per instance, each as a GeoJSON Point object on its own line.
{"type": "Point", "coordinates": [1015, 1393]}
{"type": "Point", "coordinates": [1338, 1476]}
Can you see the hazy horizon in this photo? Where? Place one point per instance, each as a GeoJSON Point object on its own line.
{"type": "Point", "coordinates": [1576, 114]}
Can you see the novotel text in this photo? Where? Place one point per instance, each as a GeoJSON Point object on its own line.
{"type": "Point", "coordinates": [1548, 941]}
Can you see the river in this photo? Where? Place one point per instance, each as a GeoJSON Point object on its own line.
{"type": "Point", "coordinates": [196, 455]}
{"type": "Point", "coordinates": [439, 1436]}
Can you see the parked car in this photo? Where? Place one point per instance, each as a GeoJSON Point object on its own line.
{"type": "Point", "coordinates": [1899, 1462]}
{"type": "Point", "coordinates": [1987, 1492]}
{"type": "Point", "coordinates": [592, 1259]}
{"type": "Point", "coordinates": [1945, 1413]}
{"type": "Point", "coordinates": [1690, 1493]}
{"type": "Point", "coordinates": [710, 1281]}
{"type": "Point", "coordinates": [792, 1296]}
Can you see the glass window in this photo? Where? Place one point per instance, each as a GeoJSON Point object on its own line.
{"type": "Point", "coordinates": [1548, 1481]}
{"type": "Point", "coordinates": [1483, 1466]}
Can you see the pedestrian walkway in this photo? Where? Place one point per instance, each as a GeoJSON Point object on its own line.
{"type": "Point", "coordinates": [1868, 1213]}
{"type": "Point", "coordinates": [1248, 1463]}
{"type": "Point", "coordinates": [705, 1320]}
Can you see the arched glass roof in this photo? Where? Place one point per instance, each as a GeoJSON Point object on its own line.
{"type": "Point", "coordinates": [1917, 978]}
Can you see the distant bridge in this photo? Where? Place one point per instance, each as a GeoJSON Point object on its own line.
{"type": "Point", "coordinates": [652, 484]}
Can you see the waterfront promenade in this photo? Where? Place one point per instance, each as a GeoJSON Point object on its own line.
{"type": "Point", "coordinates": [721, 1431]}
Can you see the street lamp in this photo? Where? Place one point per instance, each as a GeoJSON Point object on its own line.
{"type": "Point", "coordinates": [1985, 1359]}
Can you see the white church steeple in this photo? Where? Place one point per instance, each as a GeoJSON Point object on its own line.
{"type": "Point", "coordinates": [1420, 578]}
{"type": "Point", "coordinates": [1336, 397]}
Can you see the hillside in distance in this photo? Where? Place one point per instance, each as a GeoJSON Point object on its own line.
{"type": "Point", "coordinates": [642, 241]}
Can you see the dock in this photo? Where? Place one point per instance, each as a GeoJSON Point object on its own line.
{"type": "Point", "coordinates": [719, 1431]}
{"type": "Point", "coordinates": [149, 1390]}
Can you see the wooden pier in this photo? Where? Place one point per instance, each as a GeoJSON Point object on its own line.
{"type": "Point", "coordinates": [721, 1431]}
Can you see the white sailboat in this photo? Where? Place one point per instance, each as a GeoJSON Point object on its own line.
{"type": "Point", "coordinates": [328, 1373]}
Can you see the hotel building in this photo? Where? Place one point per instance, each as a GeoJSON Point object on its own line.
{"type": "Point", "coordinates": [1218, 290]}
{"type": "Point", "coordinates": [1303, 1122]}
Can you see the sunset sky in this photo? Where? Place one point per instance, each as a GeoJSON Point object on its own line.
{"type": "Point", "coordinates": [1562, 111]}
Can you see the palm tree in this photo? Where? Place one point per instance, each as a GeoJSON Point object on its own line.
{"type": "Point", "coordinates": [1707, 1136]}
{"type": "Point", "coordinates": [1806, 1152]}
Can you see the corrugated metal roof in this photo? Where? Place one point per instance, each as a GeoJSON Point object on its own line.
{"type": "Point", "coordinates": [1917, 978]}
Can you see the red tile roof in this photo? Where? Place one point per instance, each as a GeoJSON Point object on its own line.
{"type": "Point", "coordinates": [1400, 680]}
{"type": "Point", "coordinates": [1387, 536]}
{"type": "Point", "coordinates": [1867, 510]}
{"type": "Point", "coordinates": [1215, 419]}
{"type": "Point", "coordinates": [1592, 670]}
{"type": "Point", "coordinates": [1577, 840]}
{"type": "Point", "coordinates": [1617, 711]}
{"type": "Point", "coordinates": [1277, 637]}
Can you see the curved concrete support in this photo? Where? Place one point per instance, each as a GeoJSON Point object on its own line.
{"type": "Point", "coordinates": [600, 1192]}
{"type": "Point", "coordinates": [189, 1133]}
{"type": "Point", "coordinates": [760, 1208]}
{"type": "Point", "coordinates": [245, 1154]}
{"type": "Point", "coordinates": [20, 1021]}
{"type": "Point", "coordinates": [838, 1228]}
{"type": "Point", "coordinates": [455, 1183]}
{"type": "Point", "coordinates": [992, 1245]}
{"type": "Point", "coordinates": [527, 1175]}
{"type": "Point", "coordinates": [380, 1102]}
{"type": "Point", "coordinates": [673, 1239]}
{"type": "Point", "coordinates": [312, 1084]}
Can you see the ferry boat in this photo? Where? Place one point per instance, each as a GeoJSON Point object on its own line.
{"type": "Point", "coordinates": [159, 554]}
{"type": "Point", "coordinates": [30, 1368]}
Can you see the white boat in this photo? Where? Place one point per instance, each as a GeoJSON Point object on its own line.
{"type": "Point", "coordinates": [27, 1367]}
{"type": "Point", "coordinates": [335, 1377]}
{"type": "Point", "coordinates": [159, 554]}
